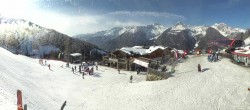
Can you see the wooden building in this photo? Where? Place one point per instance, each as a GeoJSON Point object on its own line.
{"type": "Point", "coordinates": [131, 58]}
{"type": "Point", "coordinates": [75, 58]}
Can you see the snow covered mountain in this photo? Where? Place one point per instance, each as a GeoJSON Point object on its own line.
{"type": "Point", "coordinates": [226, 30]}
{"type": "Point", "coordinates": [100, 38]}
{"type": "Point", "coordinates": [24, 37]}
{"type": "Point", "coordinates": [112, 39]}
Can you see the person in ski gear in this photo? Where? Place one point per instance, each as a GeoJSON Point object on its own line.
{"type": "Point", "coordinates": [80, 69]}
{"type": "Point", "coordinates": [72, 69]}
{"type": "Point", "coordinates": [83, 75]}
{"type": "Point", "coordinates": [118, 71]}
{"type": "Point", "coordinates": [131, 78]}
{"type": "Point", "coordinates": [75, 68]}
{"type": "Point", "coordinates": [91, 71]}
{"type": "Point", "coordinates": [96, 66]}
{"type": "Point", "coordinates": [67, 64]}
{"type": "Point", "coordinates": [49, 66]}
{"type": "Point", "coordinates": [199, 68]}
{"type": "Point", "coordinates": [138, 70]}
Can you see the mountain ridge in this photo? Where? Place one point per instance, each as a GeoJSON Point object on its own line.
{"type": "Point", "coordinates": [24, 37]}
{"type": "Point", "coordinates": [187, 31]}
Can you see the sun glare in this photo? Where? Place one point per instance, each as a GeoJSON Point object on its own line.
{"type": "Point", "coordinates": [16, 8]}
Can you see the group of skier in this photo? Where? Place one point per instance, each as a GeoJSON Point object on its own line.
{"type": "Point", "coordinates": [213, 57]}
{"type": "Point", "coordinates": [44, 64]}
{"type": "Point", "coordinates": [41, 62]}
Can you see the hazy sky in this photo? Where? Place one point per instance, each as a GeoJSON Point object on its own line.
{"type": "Point", "coordinates": [85, 16]}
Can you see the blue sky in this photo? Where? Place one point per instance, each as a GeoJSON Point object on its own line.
{"type": "Point", "coordinates": [85, 16]}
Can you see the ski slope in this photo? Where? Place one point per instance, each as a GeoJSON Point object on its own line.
{"type": "Point", "coordinates": [222, 86]}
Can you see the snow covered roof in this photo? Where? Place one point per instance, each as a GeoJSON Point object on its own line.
{"type": "Point", "coordinates": [153, 48]}
{"type": "Point", "coordinates": [140, 50]}
{"type": "Point", "coordinates": [243, 51]}
{"type": "Point", "coordinates": [75, 54]}
{"type": "Point", "coordinates": [247, 41]}
{"type": "Point", "coordinates": [180, 51]}
{"type": "Point", "coordinates": [128, 50]}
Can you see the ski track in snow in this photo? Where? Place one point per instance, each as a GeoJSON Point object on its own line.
{"type": "Point", "coordinates": [223, 86]}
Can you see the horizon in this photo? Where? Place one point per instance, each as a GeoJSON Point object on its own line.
{"type": "Point", "coordinates": [73, 17]}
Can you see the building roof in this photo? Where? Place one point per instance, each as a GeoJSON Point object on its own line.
{"type": "Point", "coordinates": [140, 50]}
{"type": "Point", "coordinates": [128, 50]}
{"type": "Point", "coordinates": [243, 52]}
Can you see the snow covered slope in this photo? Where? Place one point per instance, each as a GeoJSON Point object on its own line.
{"type": "Point", "coordinates": [223, 85]}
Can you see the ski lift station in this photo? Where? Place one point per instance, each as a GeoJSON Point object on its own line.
{"type": "Point", "coordinates": [75, 58]}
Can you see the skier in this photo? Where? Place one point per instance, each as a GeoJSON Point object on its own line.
{"type": "Point", "coordinates": [72, 69]}
{"type": "Point", "coordinates": [49, 66]}
{"type": "Point", "coordinates": [138, 70]}
{"type": "Point", "coordinates": [83, 75]}
{"type": "Point", "coordinates": [45, 62]}
{"type": "Point", "coordinates": [208, 57]}
{"type": "Point", "coordinates": [80, 70]}
{"type": "Point", "coordinates": [118, 71]}
{"type": "Point", "coordinates": [199, 68]}
{"type": "Point", "coordinates": [217, 56]}
{"type": "Point", "coordinates": [96, 66]}
{"type": "Point", "coordinates": [91, 71]}
{"type": "Point", "coordinates": [75, 68]}
{"type": "Point", "coordinates": [67, 64]}
{"type": "Point", "coordinates": [131, 78]}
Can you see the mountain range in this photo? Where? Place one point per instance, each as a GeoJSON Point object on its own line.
{"type": "Point", "coordinates": [24, 37]}
{"type": "Point", "coordinates": [180, 36]}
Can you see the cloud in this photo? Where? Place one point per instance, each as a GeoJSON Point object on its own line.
{"type": "Point", "coordinates": [147, 14]}
{"type": "Point", "coordinates": [77, 24]}
{"type": "Point", "coordinates": [89, 23]}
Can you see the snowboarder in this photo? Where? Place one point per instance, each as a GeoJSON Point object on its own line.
{"type": "Point", "coordinates": [199, 68]}
{"type": "Point", "coordinates": [131, 78]}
